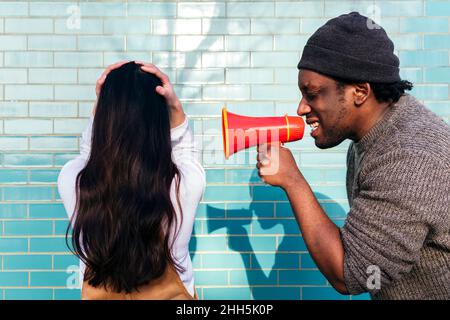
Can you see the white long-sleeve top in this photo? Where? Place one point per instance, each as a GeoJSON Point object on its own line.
{"type": "Point", "coordinates": [192, 185]}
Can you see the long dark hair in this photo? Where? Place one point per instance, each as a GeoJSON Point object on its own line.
{"type": "Point", "coordinates": [124, 214]}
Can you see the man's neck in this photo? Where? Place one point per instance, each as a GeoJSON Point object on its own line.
{"type": "Point", "coordinates": [370, 115]}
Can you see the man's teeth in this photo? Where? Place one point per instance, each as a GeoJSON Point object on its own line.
{"type": "Point", "coordinates": [314, 125]}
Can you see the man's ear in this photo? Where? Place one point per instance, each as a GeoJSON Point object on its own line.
{"type": "Point", "coordinates": [361, 93]}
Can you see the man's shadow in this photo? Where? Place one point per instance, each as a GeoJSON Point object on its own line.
{"type": "Point", "coordinates": [281, 216]}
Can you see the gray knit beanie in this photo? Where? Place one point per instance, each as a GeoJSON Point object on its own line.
{"type": "Point", "coordinates": [351, 47]}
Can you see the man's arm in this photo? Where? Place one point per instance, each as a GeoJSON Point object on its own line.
{"type": "Point", "coordinates": [403, 195]}
{"type": "Point", "coordinates": [321, 235]}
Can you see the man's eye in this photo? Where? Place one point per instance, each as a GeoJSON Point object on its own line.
{"type": "Point", "coordinates": [310, 97]}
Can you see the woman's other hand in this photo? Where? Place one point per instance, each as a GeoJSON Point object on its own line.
{"type": "Point", "coordinates": [177, 115]}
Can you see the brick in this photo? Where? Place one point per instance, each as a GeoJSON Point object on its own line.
{"type": "Point", "coordinates": [177, 26]}
{"type": "Point", "coordinates": [275, 59]}
{"type": "Point", "coordinates": [75, 92]}
{"type": "Point", "coordinates": [53, 143]}
{"type": "Point", "coordinates": [226, 59]}
{"type": "Point", "coordinates": [48, 279]}
{"type": "Point", "coordinates": [302, 277]}
{"type": "Point", "coordinates": [101, 43]}
{"type": "Point", "coordinates": [401, 8]}
{"type": "Point", "coordinates": [437, 8]}
{"type": "Point", "coordinates": [27, 160]}
{"type": "Point", "coordinates": [127, 26]}
{"type": "Point", "coordinates": [28, 26]}
{"type": "Point", "coordinates": [52, 9]}
{"type": "Point", "coordinates": [48, 245]}
{"type": "Point", "coordinates": [292, 43]}
{"type": "Point", "coordinates": [28, 59]}
{"type": "Point", "coordinates": [13, 279]}
{"type": "Point", "coordinates": [28, 294]}
{"type": "Point", "coordinates": [211, 278]}
{"type": "Point", "coordinates": [413, 75]}
{"type": "Point", "coordinates": [13, 211]}
{"type": "Point", "coordinates": [322, 293]}
{"type": "Point", "coordinates": [424, 58]}
{"type": "Point", "coordinates": [209, 43]}
{"type": "Point", "coordinates": [196, 9]}
{"type": "Point", "coordinates": [286, 76]}
{"type": "Point", "coordinates": [47, 211]}
{"type": "Point", "coordinates": [437, 41]}
{"type": "Point", "coordinates": [276, 293]}
{"type": "Point", "coordinates": [407, 41]}
{"type": "Point", "coordinates": [336, 8]}
{"type": "Point", "coordinates": [52, 76]}
{"type": "Point", "coordinates": [186, 92]}
{"type": "Point", "coordinates": [28, 92]}
{"type": "Point", "coordinates": [44, 176]}
{"type": "Point", "coordinates": [110, 9]}
{"type": "Point", "coordinates": [275, 26]}
{"type": "Point", "coordinates": [53, 109]}
{"type": "Point", "coordinates": [424, 24]}
{"type": "Point", "coordinates": [200, 76]}
{"type": "Point", "coordinates": [64, 261]}
{"type": "Point", "coordinates": [67, 294]}
{"type": "Point", "coordinates": [275, 92]}
{"type": "Point", "coordinates": [13, 176]}
{"type": "Point", "coordinates": [13, 8]}
{"type": "Point", "coordinates": [225, 261]}
{"type": "Point", "coordinates": [25, 228]}
{"type": "Point", "coordinates": [250, 9]}
{"type": "Point", "coordinates": [437, 75]}
{"type": "Point", "coordinates": [299, 9]}
{"type": "Point", "coordinates": [237, 92]}
{"type": "Point", "coordinates": [253, 277]}
{"type": "Point", "coordinates": [13, 245]}
{"type": "Point", "coordinates": [78, 59]}
{"type": "Point", "coordinates": [27, 193]}
{"type": "Point", "coordinates": [226, 26]}
{"type": "Point", "coordinates": [12, 109]}
{"type": "Point", "coordinates": [53, 43]}
{"type": "Point", "coordinates": [74, 126]}
{"type": "Point", "coordinates": [208, 243]}
{"type": "Point", "coordinates": [248, 43]}
{"type": "Point", "coordinates": [156, 43]}
{"type": "Point", "coordinates": [86, 26]}
{"type": "Point", "coordinates": [153, 9]}
{"type": "Point", "coordinates": [27, 126]}
{"type": "Point", "coordinates": [223, 293]}
{"type": "Point", "coordinates": [9, 43]}
{"type": "Point", "coordinates": [430, 92]}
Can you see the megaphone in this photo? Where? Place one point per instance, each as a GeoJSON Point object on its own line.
{"type": "Point", "coordinates": [241, 132]}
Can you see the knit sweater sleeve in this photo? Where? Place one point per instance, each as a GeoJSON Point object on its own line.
{"type": "Point", "coordinates": [403, 196]}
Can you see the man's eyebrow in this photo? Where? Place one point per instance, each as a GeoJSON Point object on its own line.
{"type": "Point", "coordinates": [313, 88]}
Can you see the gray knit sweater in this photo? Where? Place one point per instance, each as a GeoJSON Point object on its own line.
{"type": "Point", "coordinates": [398, 185]}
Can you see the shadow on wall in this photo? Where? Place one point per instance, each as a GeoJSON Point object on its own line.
{"type": "Point", "coordinates": [292, 265]}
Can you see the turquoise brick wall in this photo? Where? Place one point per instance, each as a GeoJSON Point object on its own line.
{"type": "Point", "coordinates": [241, 54]}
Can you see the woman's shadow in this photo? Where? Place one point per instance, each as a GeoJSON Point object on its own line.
{"type": "Point", "coordinates": [286, 254]}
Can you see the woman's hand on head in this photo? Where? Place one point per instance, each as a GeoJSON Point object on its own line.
{"type": "Point", "coordinates": [102, 78]}
{"type": "Point", "coordinates": [177, 115]}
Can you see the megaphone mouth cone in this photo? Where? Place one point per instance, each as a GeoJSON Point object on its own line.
{"type": "Point", "coordinates": [226, 146]}
{"type": "Point", "coordinates": [242, 132]}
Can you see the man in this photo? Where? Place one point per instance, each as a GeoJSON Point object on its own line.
{"type": "Point", "coordinates": [398, 168]}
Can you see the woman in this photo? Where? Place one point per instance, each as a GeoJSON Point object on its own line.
{"type": "Point", "coordinates": [133, 191]}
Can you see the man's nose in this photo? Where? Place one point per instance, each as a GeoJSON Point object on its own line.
{"type": "Point", "coordinates": [303, 108]}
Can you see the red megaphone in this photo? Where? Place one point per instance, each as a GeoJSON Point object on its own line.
{"type": "Point", "coordinates": [240, 132]}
